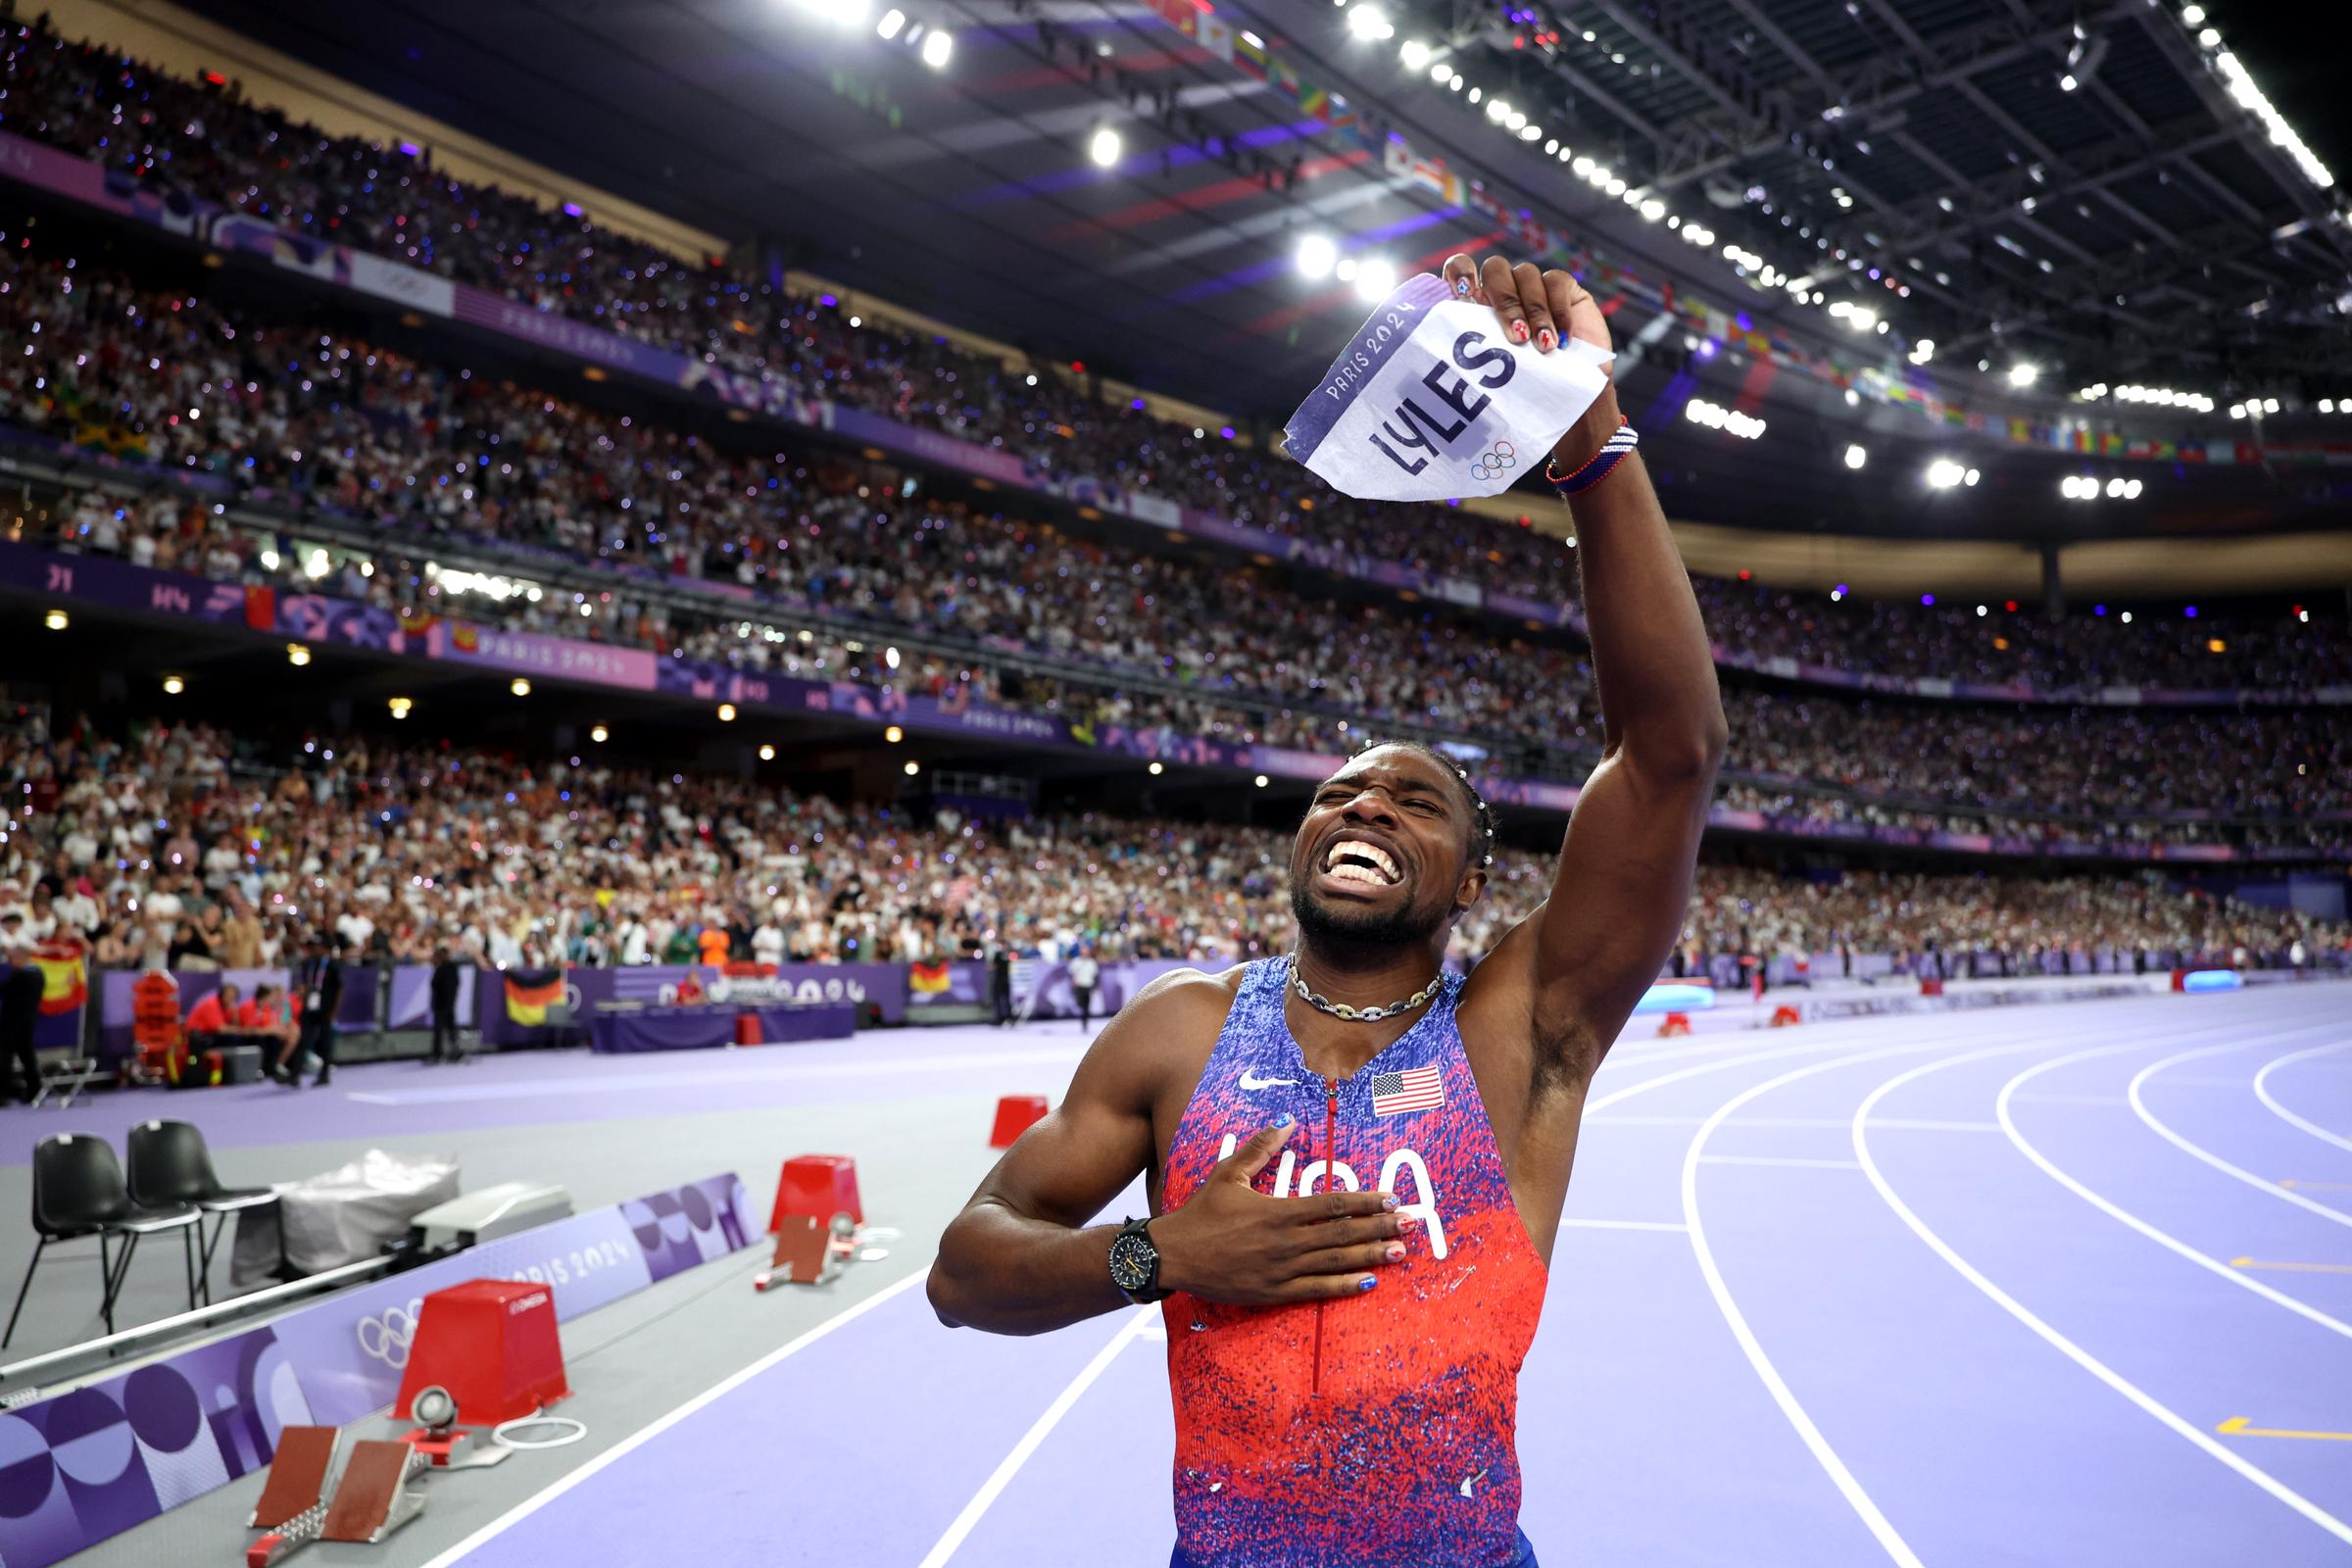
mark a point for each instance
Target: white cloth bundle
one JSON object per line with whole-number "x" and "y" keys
{"x": 1431, "y": 402}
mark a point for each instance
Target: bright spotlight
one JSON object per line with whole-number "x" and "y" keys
{"x": 1652, "y": 210}
{"x": 1855, "y": 456}
{"x": 1944, "y": 473}
{"x": 1414, "y": 54}
{"x": 2131, "y": 489}
{"x": 1373, "y": 280}
{"x": 2023, "y": 374}
{"x": 1103, "y": 148}
{"x": 2115, "y": 489}
{"x": 937, "y": 47}
{"x": 1344, "y": 271}
{"x": 892, "y": 20}
{"x": 1971, "y": 476}
{"x": 1318, "y": 256}
{"x": 1370, "y": 24}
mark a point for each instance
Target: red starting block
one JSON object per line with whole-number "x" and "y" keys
{"x": 1785, "y": 1016}
{"x": 1016, "y": 1115}
{"x": 493, "y": 1345}
{"x": 820, "y": 1186}
{"x": 1677, "y": 1024}
{"x": 1931, "y": 986}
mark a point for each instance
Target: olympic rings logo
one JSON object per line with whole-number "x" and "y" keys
{"x": 387, "y": 1336}
{"x": 1495, "y": 463}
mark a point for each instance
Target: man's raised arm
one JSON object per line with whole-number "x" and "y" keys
{"x": 1624, "y": 866}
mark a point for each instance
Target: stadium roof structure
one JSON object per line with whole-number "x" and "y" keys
{"x": 1130, "y": 185}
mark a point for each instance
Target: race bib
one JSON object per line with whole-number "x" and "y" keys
{"x": 1431, "y": 402}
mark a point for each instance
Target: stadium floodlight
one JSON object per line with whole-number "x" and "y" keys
{"x": 2270, "y": 405}
{"x": 1944, "y": 473}
{"x": 2023, "y": 373}
{"x": 1971, "y": 476}
{"x": 1414, "y": 54}
{"x": 1652, "y": 210}
{"x": 1103, "y": 147}
{"x": 1855, "y": 456}
{"x": 2115, "y": 489}
{"x": 1530, "y": 132}
{"x": 1374, "y": 279}
{"x": 1498, "y": 110}
{"x": 938, "y": 46}
{"x": 2192, "y": 16}
{"x": 2131, "y": 489}
{"x": 892, "y": 20}
{"x": 1345, "y": 270}
{"x": 1370, "y": 24}
{"x": 1318, "y": 256}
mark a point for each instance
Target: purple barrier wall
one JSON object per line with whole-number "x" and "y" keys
{"x": 177, "y": 1429}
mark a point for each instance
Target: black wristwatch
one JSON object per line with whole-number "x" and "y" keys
{"x": 1134, "y": 1264}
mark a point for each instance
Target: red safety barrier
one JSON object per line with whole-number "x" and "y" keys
{"x": 746, "y": 1029}
{"x": 493, "y": 1345}
{"x": 819, "y": 1186}
{"x": 1016, "y": 1115}
{"x": 2179, "y": 979}
{"x": 1677, "y": 1024}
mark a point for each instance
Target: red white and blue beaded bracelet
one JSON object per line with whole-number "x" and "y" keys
{"x": 1597, "y": 467}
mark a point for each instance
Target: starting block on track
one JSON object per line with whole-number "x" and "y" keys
{"x": 817, "y": 1185}
{"x": 808, "y": 1251}
{"x": 1785, "y": 1016}
{"x": 1677, "y": 1024}
{"x": 297, "y": 1479}
{"x": 372, "y": 1500}
{"x": 1016, "y": 1115}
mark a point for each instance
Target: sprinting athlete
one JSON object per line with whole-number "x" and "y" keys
{"x": 1357, "y": 1161}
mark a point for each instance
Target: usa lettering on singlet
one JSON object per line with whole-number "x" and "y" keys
{"x": 1377, "y": 1430}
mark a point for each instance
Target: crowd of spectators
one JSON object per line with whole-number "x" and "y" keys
{"x": 180, "y": 844}
{"x": 1138, "y": 640}
{"x": 203, "y": 139}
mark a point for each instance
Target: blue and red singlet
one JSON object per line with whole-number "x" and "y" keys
{"x": 1377, "y": 1431}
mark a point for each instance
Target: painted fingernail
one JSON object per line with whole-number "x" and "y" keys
{"x": 1519, "y": 330}
{"x": 1397, "y": 1253}
{"x": 1368, "y": 1282}
{"x": 1389, "y": 1202}
{"x": 1461, "y": 287}
{"x": 1283, "y": 1120}
{"x": 1408, "y": 1219}
{"x": 1547, "y": 341}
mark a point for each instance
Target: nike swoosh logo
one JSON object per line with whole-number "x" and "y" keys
{"x": 1250, "y": 1082}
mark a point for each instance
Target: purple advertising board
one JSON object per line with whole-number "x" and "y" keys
{"x": 95, "y": 1461}
{"x": 355, "y": 1010}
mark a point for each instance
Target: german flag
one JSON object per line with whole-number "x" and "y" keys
{"x": 528, "y": 999}
{"x": 65, "y": 982}
{"x": 927, "y": 979}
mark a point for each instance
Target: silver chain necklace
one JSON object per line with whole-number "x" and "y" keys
{"x": 1340, "y": 1010}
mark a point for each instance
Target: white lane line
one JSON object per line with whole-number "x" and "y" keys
{"x": 2057, "y": 1341}
{"x": 1139, "y": 1319}
{"x": 1567, "y": 1222}
{"x": 1858, "y": 1499}
{"x": 2188, "y": 1147}
{"x": 1786, "y": 1161}
{"x": 2117, "y": 1211}
{"x": 629, "y": 1445}
{"x": 2262, "y": 1092}
{"x": 2074, "y": 1099}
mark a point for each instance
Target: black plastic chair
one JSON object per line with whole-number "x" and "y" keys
{"x": 169, "y": 1165}
{"x": 77, "y": 1191}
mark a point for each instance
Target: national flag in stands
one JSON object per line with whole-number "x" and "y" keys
{"x": 527, "y": 1001}
{"x": 1414, "y": 1089}
{"x": 927, "y": 979}
{"x": 63, "y": 983}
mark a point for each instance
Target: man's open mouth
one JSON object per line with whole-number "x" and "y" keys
{"x": 1359, "y": 860}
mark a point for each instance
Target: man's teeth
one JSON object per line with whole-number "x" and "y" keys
{"x": 1355, "y": 860}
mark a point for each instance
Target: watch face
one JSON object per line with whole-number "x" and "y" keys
{"x": 1131, "y": 1263}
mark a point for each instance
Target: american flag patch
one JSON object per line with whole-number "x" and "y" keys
{"x": 1414, "y": 1089}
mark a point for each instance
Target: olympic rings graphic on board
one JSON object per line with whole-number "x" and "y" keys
{"x": 1495, "y": 463}
{"x": 387, "y": 1336}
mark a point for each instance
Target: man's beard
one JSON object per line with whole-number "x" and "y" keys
{"x": 1403, "y": 927}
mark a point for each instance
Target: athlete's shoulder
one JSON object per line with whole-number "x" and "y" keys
{"x": 1182, "y": 994}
